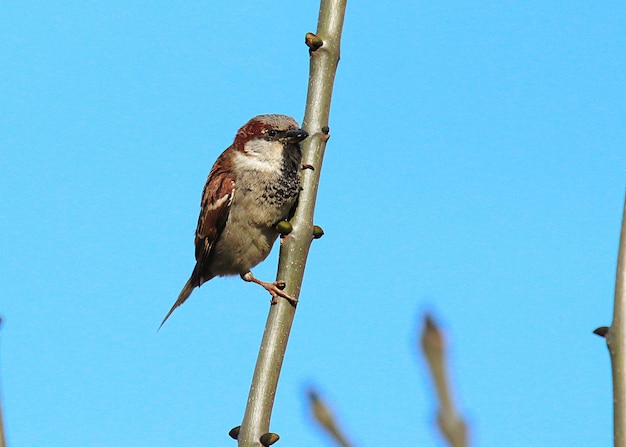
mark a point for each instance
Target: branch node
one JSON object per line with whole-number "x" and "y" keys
{"x": 317, "y": 232}
{"x": 602, "y": 331}
{"x": 268, "y": 439}
{"x": 234, "y": 432}
{"x": 313, "y": 41}
{"x": 283, "y": 227}
{"x": 433, "y": 343}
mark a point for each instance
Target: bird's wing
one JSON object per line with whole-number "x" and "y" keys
{"x": 217, "y": 197}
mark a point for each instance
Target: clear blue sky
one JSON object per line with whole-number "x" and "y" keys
{"x": 477, "y": 169}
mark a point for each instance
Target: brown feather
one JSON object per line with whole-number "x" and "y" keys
{"x": 217, "y": 197}
{"x": 182, "y": 297}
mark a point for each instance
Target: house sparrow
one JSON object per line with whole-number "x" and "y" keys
{"x": 252, "y": 186}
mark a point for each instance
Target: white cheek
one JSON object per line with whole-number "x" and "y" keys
{"x": 261, "y": 155}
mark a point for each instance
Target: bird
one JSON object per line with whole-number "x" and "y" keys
{"x": 253, "y": 185}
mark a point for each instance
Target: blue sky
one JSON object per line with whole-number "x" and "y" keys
{"x": 476, "y": 170}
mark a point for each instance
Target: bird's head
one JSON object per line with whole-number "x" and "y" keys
{"x": 268, "y": 138}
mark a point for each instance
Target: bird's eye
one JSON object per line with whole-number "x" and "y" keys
{"x": 271, "y": 133}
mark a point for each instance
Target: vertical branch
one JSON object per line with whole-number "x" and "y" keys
{"x": 451, "y": 424}
{"x": 616, "y": 342}
{"x": 324, "y": 52}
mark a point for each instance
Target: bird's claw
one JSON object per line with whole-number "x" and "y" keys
{"x": 274, "y": 288}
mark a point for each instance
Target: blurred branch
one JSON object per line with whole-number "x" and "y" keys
{"x": 615, "y": 340}
{"x": 324, "y": 57}
{"x": 451, "y": 424}
{"x": 324, "y": 417}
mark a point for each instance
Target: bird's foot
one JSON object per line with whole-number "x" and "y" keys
{"x": 274, "y": 288}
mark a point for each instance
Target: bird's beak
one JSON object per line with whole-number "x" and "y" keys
{"x": 296, "y": 135}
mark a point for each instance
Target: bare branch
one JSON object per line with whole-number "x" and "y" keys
{"x": 451, "y": 424}
{"x": 616, "y": 342}
{"x": 295, "y": 247}
{"x": 325, "y": 418}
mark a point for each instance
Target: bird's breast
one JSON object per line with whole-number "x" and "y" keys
{"x": 240, "y": 247}
{"x": 263, "y": 199}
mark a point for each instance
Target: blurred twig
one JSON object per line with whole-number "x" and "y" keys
{"x": 615, "y": 340}
{"x": 451, "y": 424}
{"x": 324, "y": 417}
{"x": 324, "y": 57}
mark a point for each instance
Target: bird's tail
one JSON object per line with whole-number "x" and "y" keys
{"x": 182, "y": 297}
